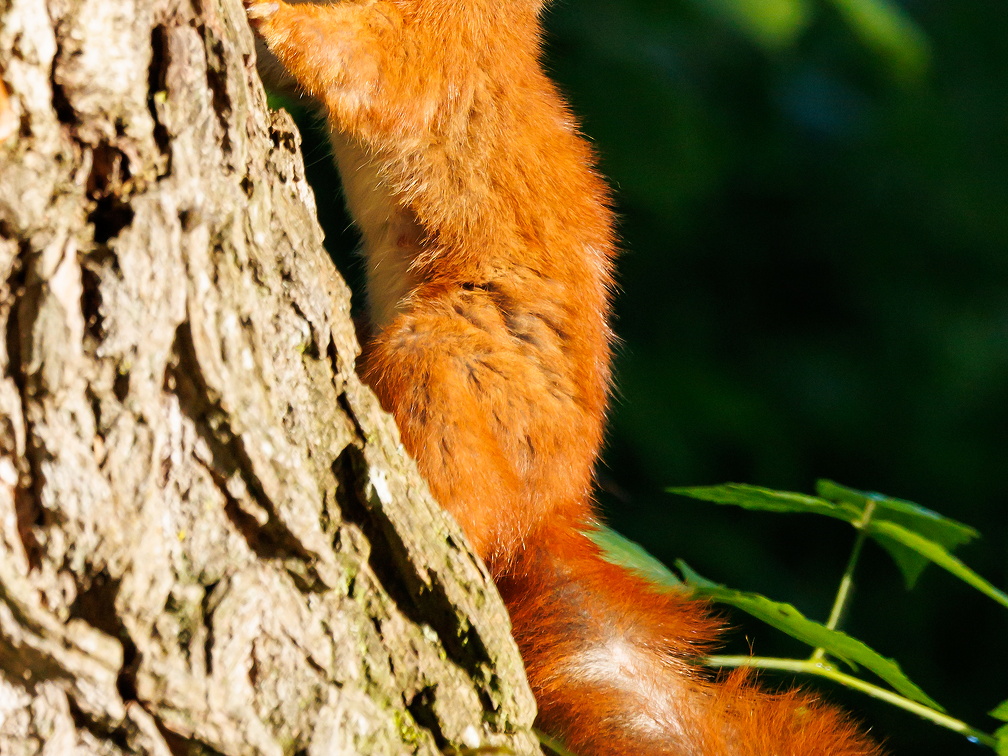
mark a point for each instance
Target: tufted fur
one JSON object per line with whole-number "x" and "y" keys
{"x": 489, "y": 246}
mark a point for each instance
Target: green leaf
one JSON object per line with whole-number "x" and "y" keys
{"x": 620, "y": 550}
{"x": 768, "y": 500}
{"x": 850, "y": 505}
{"x": 1000, "y": 711}
{"x": 945, "y": 531}
{"x": 1001, "y": 736}
{"x": 789, "y": 620}
{"x": 773, "y": 24}
{"x": 886, "y": 28}
{"x": 934, "y": 552}
{"x": 926, "y": 522}
{"x": 910, "y": 563}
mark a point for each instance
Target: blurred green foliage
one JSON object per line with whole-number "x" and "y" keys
{"x": 814, "y": 207}
{"x": 813, "y": 200}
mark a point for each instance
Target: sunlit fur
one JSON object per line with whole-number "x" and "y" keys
{"x": 489, "y": 245}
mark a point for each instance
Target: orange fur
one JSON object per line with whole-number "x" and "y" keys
{"x": 489, "y": 246}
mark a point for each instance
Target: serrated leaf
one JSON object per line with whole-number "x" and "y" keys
{"x": 1000, "y": 711}
{"x": 886, "y": 28}
{"x": 620, "y": 550}
{"x": 945, "y": 531}
{"x": 773, "y": 24}
{"x": 912, "y": 516}
{"x": 849, "y": 505}
{"x": 768, "y": 500}
{"x": 789, "y": 620}
{"x": 936, "y": 553}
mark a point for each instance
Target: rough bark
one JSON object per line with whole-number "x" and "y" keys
{"x": 211, "y": 540}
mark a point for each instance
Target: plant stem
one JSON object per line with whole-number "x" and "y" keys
{"x": 843, "y": 595}
{"x": 820, "y": 669}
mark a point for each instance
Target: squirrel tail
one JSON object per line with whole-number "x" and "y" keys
{"x": 611, "y": 661}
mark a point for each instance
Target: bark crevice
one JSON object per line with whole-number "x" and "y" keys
{"x": 210, "y": 538}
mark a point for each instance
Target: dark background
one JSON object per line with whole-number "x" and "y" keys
{"x": 814, "y": 211}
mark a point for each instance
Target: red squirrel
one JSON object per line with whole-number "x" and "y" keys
{"x": 489, "y": 246}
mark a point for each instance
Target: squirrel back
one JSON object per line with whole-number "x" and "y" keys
{"x": 489, "y": 245}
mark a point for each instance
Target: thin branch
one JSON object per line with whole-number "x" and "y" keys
{"x": 846, "y": 587}
{"x": 821, "y": 669}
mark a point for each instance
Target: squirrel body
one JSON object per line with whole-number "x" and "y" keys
{"x": 489, "y": 247}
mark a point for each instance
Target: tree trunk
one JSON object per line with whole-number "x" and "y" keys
{"x": 211, "y": 540}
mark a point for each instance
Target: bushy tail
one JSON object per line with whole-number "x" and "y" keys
{"x": 610, "y": 661}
